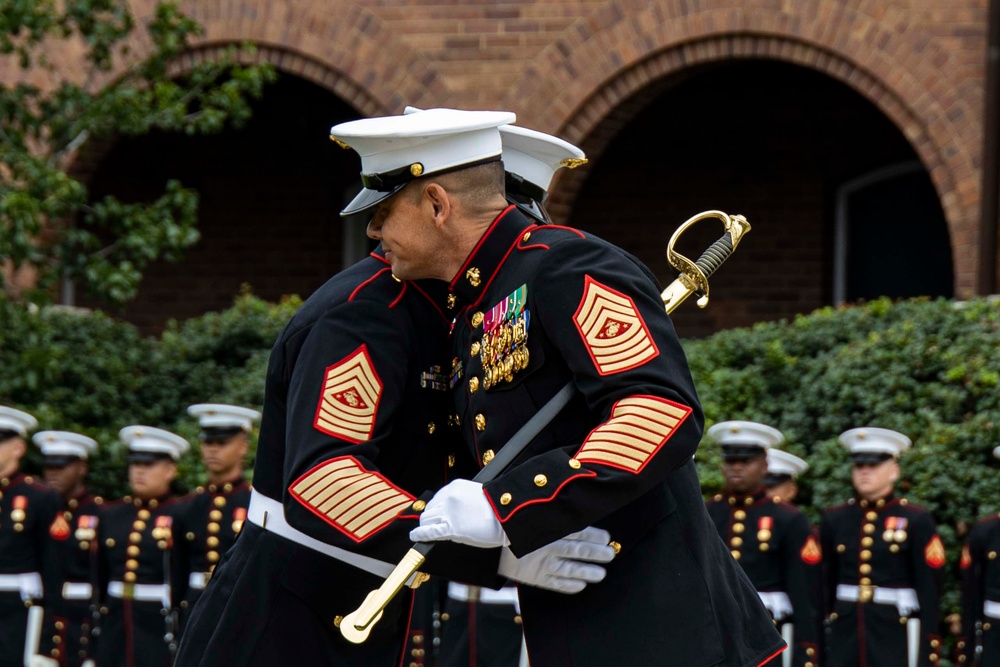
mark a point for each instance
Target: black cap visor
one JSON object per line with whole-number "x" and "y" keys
{"x": 735, "y": 453}
{"x": 218, "y": 433}
{"x": 774, "y": 479}
{"x": 869, "y": 458}
{"x": 367, "y": 199}
{"x": 58, "y": 460}
{"x": 148, "y": 457}
{"x": 6, "y": 434}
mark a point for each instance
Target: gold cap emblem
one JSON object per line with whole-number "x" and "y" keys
{"x": 339, "y": 142}
{"x": 416, "y": 168}
{"x": 574, "y": 162}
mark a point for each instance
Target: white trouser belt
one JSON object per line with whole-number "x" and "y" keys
{"x": 777, "y": 603}
{"x": 28, "y": 584}
{"x": 270, "y": 515}
{"x": 198, "y": 580}
{"x": 463, "y": 593}
{"x": 142, "y": 592}
{"x": 75, "y": 591}
{"x": 991, "y": 609}
{"x": 905, "y": 599}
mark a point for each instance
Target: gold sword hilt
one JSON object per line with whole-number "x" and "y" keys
{"x": 356, "y": 626}
{"x": 693, "y": 278}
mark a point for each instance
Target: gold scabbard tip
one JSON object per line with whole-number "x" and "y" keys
{"x": 616, "y": 546}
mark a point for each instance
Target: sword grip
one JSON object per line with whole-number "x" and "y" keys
{"x": 715, "y": 255}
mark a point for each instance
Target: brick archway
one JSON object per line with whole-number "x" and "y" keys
{"x": 589, "y": 79}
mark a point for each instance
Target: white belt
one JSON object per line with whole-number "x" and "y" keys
{"x": 270, "y": 515}
{"x": 198, "y": 580}
{"x": 73, "y": 591}
{"x": 28, "y": 584}
{"x": 777, "y": 603}
{"x": 991, "y": 608}
{"x": 142, "y": 592}
{"x": 905, "y": 599}
{"x": 463, "y": 593}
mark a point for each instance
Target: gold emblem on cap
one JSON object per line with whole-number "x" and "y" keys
{"x": 473, "y": 276}
{"x": 416, "y": 168}
{"x": 573, "y": 162}
{"x": 339, "y": 142}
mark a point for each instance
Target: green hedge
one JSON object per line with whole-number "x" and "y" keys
{"x": 927, "y": 368}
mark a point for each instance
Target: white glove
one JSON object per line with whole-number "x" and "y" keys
{"x": 460, "y": 512}
{"x": 43, "y": 661}
{"x": 565, "y": 566}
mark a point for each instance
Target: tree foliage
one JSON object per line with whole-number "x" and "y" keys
{"x": 128, "y": 83}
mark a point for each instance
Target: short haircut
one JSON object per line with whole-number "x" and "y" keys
{"x": 480, "y": 184}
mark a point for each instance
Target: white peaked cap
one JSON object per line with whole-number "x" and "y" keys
{"x": 996, "y": 452}
{"x": 65, "y": 443}
{"x": 871, "y": 440}
{"x": 747, "y": 434}
{"x": 780, "y": 462}
{"x": 154, "y": 440}
{"x": 219, "y": 415}
{"x": 532, "y": 155}
{"x": 17, "y": 421}
{"x": 395, "y": 150}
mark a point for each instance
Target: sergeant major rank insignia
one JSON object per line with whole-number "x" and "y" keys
{"x": 504, "y": 348}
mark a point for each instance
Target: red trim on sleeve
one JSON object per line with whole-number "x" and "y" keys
{"x": 774, "y": 655}
{"x": 482, "y": 239}
{"x": 585, "y": 473}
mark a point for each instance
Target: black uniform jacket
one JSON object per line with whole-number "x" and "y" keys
{"x": 28, "y": 511}
{"x": 355, "y": 426}
{"x": 69, "y": 613}
{"x": 140, "y": 544}
{"x": 538, "y": 307}
{"x": 776, "y": 547}
{"x": 214, "y": 516}
{"x": 891, "y": 544}
{"x": 981, "y": 592}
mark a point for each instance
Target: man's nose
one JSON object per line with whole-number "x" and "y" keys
{"x": 374, "y": 230}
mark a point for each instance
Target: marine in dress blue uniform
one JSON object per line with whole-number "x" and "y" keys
{"x": 68, "y": 636}
{"x": 216, "y": 511}
{"x": 142, "y": 567}
{"x": 980, "y": 565}
{"x": 783, "y": 470}
{"x": 28, "y": 510}
{"x": 357, "y": 424}
{"x": 882, "y": 561}
{"x": 772, "y": 540}
{"x": 537, "y": 306}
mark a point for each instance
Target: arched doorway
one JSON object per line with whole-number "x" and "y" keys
{"x": 771, "y": 140}
{"x": 270, "y": 196}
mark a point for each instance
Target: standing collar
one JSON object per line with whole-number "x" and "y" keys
{"x": 435, "y": 291}
{"x": 482, "y": 264}
{"x": 746, "y": 499}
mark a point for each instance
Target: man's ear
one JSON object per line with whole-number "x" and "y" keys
{"x": 440, "y": 203}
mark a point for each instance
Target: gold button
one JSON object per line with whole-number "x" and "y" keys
{"x": 810, "y": 652}
{"x": 162, "y": 544}
{"x": 215, "y": 515}
{"x": 84, "y": 545}
{"x": 213, "y": 528}
{"x": 935, "y": 643}
{"x": 132, "y": 564}
{"x": 808, "y": 664}
{"x": 871, "y": 516}
{"x": 865, "y": 581}
{"x": 135, "y": 538}
{"x": 431, "y": 427}
{"x": 488, "y": 456}
{"x": 60, "y": 625}
{"x": 474, "y": 350}
{"x": 56, "y": 653}
{"x": 933, "y": 657}
{"x": 189, "y": 536}
{"x": 139, "y": 525}
{"x": 212, "y": 556}
{"x": 867, "y": 541}
{"x": 144, "y": 514}
{"x": 869, "y": 528}
{"x": 527, "y": 235}
{"x": 541, "y": 480}
{"x": 865, "y": 568}
{"x": 419, "y": 505}
{"x": 472, "y": 275}
{"x": 212, "y": 542}
{"x": 473, "y": 384}
{"x": 866, "y": 555}
{"x": 574, "y": 464}
{"x": 736, "y": 554}
{"x": 841, "y": 548}
{"x": 418, "y": 639}
{"x": 738, "y": 528}
{"x": 505, "y": 499}
{"x": 763, "y": 546}
{"x": 736, "y": 542}
{"x": 986, "y": 626}
{"x": 615, "y": 545}
{"x": 110, "y": 542}
{"x": 992, "y": 555}
{"x": 219, "y": 501}
{"x": 739, "y": 515}
{"x": 132, "y": 550}
{"x": 480, "y": 422}
{"x": 477, "y": 319}
{"x": 894, "y": 548}
{"x": 130, "y": 577}
{"x": 833, "y": 616}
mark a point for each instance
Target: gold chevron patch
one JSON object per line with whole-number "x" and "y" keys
{"x": 353, "y": 500}
{"x": 612, "y": 329}
{"x": 349, "y": 400}
{"x": 934, "y": 553}
{"x": 638, "y": 427}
